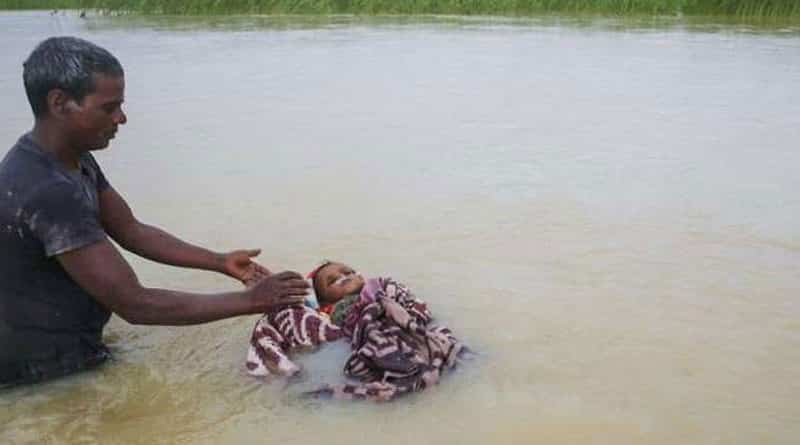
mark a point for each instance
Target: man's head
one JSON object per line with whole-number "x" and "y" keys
{"x": 78, "y": 84}
{"x": 334, "y": 281}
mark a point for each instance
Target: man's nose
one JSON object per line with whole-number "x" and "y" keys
{"x": 120, "y": 118}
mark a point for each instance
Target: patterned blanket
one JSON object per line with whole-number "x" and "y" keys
{"x": 288, "y": 329}
{"x": 395, "y": 348}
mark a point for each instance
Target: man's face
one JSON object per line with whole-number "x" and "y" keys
{"x": 94, "y": 121}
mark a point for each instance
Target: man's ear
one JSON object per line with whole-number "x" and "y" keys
{"x": 60, "y": 104}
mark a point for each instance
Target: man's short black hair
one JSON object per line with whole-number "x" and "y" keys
{"x": 66, "y": 63}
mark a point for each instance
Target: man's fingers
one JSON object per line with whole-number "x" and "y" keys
{"x": 296, "y": 291}
{"x": 288, "y": 275}
{"x": 294, "y": 282}
{"x": 253, "y": 252}
{"x": 290, "y": 299}
{"x": 287, "y": 301}
{"x": 260, "y": 269}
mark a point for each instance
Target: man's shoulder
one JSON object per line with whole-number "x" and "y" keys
{"x": 23, "y": 172}
{"x": 22, "y": 160}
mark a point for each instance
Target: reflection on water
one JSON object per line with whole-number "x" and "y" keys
{"x": 603, "y": 209}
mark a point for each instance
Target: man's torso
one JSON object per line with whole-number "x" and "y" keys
{"x": 48, "y": 324}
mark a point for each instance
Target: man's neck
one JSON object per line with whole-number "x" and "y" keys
{"x": 50, "y": 139}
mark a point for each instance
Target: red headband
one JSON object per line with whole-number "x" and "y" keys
{"x": 313, "y": 273}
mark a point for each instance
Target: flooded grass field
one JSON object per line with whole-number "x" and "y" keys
{"x": 748, "y": 9}
{"x": 606, "y": 210}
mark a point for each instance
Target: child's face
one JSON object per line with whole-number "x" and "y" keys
{"x": 336, "y": 281}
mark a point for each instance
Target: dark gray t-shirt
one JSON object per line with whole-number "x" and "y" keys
{"x": 48, "y": 325}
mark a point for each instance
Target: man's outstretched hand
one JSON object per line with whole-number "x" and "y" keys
{"x": 280, "y": 289}
{"x": 268, "y": 290}
{"x": 255, "y": 273}
{"x": 238, "y": 264}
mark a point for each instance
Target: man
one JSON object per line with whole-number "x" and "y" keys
{"x": 60, "y": 276}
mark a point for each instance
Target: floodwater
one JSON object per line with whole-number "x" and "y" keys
{"x": 607, "y": 211}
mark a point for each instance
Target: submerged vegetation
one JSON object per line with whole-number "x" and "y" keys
{"x": 738, "y": 8}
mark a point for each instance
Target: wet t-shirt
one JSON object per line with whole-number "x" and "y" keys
{"x": 49, "y": 326}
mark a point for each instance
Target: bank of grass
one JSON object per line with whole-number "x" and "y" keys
{"x": 785, "y": 9}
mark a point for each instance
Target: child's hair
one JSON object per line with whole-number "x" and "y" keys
{"x": 315, "y": 283}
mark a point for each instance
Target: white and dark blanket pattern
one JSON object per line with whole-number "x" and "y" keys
{"x": 394, "y": 352}
{"x": 288, "y": 329}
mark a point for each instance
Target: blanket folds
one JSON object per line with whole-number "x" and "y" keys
{"x": 396, "y": 349}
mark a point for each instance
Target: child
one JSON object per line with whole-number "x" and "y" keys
{"x": 395, "y": 348}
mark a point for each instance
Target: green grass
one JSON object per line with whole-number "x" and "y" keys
{"x": 737, "y": 8}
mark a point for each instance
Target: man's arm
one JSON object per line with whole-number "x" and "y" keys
{"x": 101, "y": 271}
{"x": 158, "y": 245}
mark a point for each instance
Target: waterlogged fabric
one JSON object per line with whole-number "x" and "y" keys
{"x": 49, "y": 326}
{"x": 392, "y": 355}
{"x": 288, "y": 329}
